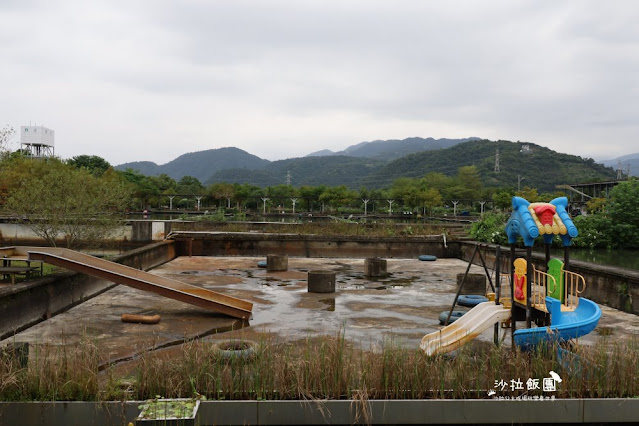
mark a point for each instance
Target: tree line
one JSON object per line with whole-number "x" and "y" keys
{"x": 83, "y": 197}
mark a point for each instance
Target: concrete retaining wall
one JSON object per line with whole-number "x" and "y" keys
{"x": 256, "y": 244}
{"x": 607, "y": 285}
{"x": 415, "y": 412}
{"x": 12, "y": 233}
{"x": 25, "y": 304}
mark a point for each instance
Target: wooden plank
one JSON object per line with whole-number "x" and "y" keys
{"x": 141, "y": 280}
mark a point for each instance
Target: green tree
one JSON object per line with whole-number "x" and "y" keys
{"x": 164, "y": 183}
{"x": 61, "y": 201}
{"x": 222, "y": 191}
{"x": 430, "y": 198}
{"x": 437, "y": 180}
{"x": 407, "y": 190}
{"x": 144, "y": 190}
{"x": 94, "y": 164}
{"x": 311, "y": 195}
{"x": 467, "y": 185}
{"x": 624, "y": 203}
{"x": 189, "y": 185}
{"x": 530, "y": 194}
{"x": 281, "y": 195}
{"x": 6, "y": 133}
{"x": 337, "y": 196}
{"x": 502, "y": 199}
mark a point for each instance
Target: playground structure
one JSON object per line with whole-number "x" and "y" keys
{"x": 549, "y": 299}
{"x": 131, "y": 277}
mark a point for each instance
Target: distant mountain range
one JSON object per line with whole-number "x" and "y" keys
{"x": 202, "y": 164}
{"x": 626, "y": 162}
{"x": 393, "y": 149}
{"x": 377, "y": 164}
{"x": 205, "y": 165}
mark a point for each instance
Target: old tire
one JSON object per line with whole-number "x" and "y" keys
{"x": 427, "y": 257}
{"x": 471, "y": 300}
{"x": 236, "y": 349}
{"x": 453, "y": 317}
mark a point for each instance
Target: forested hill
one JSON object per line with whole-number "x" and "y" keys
{"x": 201, "y": 164}
{"x": 332, "y": 171}
{"x": 387, "y": 150}
{"x": 538, "y": 167}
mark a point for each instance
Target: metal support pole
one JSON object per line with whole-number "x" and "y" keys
{"x": 461, "y": 285}
{"x": 513, "y": 322}
{"x": 483, "y": 262}
{"x": 497, "y": 288}
{"x": 529, "y": 275}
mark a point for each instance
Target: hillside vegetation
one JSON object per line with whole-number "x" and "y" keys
{"x": 312, "y": 171}
{"x": 539, "y": 167}
{"x": 388, "y": 150}
{"x": 201, "y": 164}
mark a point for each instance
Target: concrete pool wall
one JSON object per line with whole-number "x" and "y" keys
{"x": 28, "y": 303}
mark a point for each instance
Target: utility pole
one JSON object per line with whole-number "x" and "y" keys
{"x": 365, "y": 200}
{"x": 198, "y": 198}
{"x": 619, "y": 170}
{"x": 265, "y": 199}
{"x": 497, "y": 161}
{"x": 519, "y": 179}
{"x": 288, "y": 178}
{"x": 481, "y": 203}
{"x": 171, "y": 197}
{"x": 390, "y": 206}
{"x": 294, "y": 200}
{"x": 455, "y": 208}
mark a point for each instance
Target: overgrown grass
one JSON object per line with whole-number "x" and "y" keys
{"x": 320, "y": 368}
{"x": 46, "y": 269}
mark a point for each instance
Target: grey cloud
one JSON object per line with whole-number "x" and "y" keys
{"x": 523, "y": 70}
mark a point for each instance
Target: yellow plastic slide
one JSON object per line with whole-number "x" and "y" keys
{"x": 466, "y": 328}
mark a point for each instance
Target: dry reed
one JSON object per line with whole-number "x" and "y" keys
{"x": 321, "y": 368}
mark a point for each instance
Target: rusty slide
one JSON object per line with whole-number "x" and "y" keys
{"x": 466, "y": 328}
{"x": 135, "y": 278}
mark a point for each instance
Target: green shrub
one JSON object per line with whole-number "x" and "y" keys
{"x": 491, "y": 228}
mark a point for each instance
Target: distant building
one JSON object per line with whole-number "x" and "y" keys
{"x": 37, "y": 141}
{"x": 525, "y": 149}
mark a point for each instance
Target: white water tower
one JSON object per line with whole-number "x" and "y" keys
{"x": 37, "y": 141}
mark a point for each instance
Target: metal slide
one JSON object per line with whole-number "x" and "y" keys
{"x": 469, "y": 326}
{"x": 135, "y": 278}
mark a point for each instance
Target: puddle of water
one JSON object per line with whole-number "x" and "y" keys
{"x": 330, "y": 304}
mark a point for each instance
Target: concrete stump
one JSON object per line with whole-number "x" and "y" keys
{"x": 474, "y": 283}
{"x": 321, "y": 281}
{"x": 375, "y": 267}
{"x": 276, "y": 262}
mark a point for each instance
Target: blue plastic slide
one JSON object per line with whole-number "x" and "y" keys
{"x": 563, "y": 325}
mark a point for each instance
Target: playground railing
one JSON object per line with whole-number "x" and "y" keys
{"x": 574, "y": 285}
{"x": 542, "y": 285}
{"x": 504, "y": 283}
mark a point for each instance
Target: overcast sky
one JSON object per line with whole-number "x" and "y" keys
{"x": 154, "y": 79}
